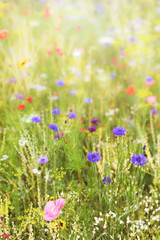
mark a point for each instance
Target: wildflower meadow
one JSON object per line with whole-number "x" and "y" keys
{"x": 80, "y": 119}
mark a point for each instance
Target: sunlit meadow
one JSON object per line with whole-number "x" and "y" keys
{"x": 79, "y": 119}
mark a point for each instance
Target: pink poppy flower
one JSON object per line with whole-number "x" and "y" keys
{"x": 78, "y": 27}
{"x": 53, "y": 211}
{"x": 58, "y": 49}
{"x": 151, "y": 99}
{"x": 50, "y": 52}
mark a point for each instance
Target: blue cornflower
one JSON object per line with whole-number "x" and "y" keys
{"x": 72, "y": 115}
{"x": 144, "y": 147}
{"x": 88, "y": 100}
{"x": 112, "y": 75}
{"x": 73, "y": 92}
{"x": 106, "y": 180}
{"x": 54, "y": 127}
{"x": 36, "y": 119}
{"x": 119, "y": 131}
{"x": 56, "y": 111}
{"x": 60, "y": 83}
{"x": 43, "y": 160}
{"x": 138, "y": 159}
{"x": 93, "y": 157}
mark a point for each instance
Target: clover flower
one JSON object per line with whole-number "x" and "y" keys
{"x": 93, "y": 157}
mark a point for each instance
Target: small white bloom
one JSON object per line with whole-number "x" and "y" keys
{"x": 36, "y": 171}
{"x": 22, "y": 143}
{"x": 4, "y": 158}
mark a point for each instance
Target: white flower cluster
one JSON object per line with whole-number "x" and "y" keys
{"x": 22, "y": 142}
{"x": 4, "y": 158}
{"x": 111, "y": 112}
{"x": 36, "y": 171}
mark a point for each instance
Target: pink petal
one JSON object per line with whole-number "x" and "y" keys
{"x": 53, "y": 211}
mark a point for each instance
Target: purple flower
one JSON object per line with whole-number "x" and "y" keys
{"x": 88, "y": 100}
{"x": 144, "y": 147}
{"x": 94, "y": 121}
{"x": 92, "y": 129}
{"x": 112, "y": 75}
{"x": 58, "y": 136}
{"x": 43, "y": 160}
{"x": 119, "y": 131}
{"x": 9, "y": 51}
{"x": 20, "y": 96}
{"x": 138, "y": 159}
{"x": 107, "y": 44}
{"x": 12, "y": 80}
{"x": 73, "y": 92}
{"x": 154, "y": 111}
{"x": 149, "y": 79}
{"x": 93, "y": 157}
{"x": 132, "y": 39}
{"x": 106, "y": 180}
{"x": 72, "y": 115}
{"x": 54, "y": 127}
{"x": 35, "y": 119}
{"x": 60, "y": 83}
{"x": 56, "y": 111}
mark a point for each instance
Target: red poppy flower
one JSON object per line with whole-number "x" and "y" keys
{"x": 47, "y": 13}
{"x": 29, "y": 99}
{"x": 81, "y": 129}
{"x": 114, "y": 60}
{"x": 3, "y": 34}
{"x": 80, "y": 120}
{"x": 25, "y": 12}
{"x": 130, "y": 90}
{"x": 159, "y": 126}
{"x": 21, "y": 107}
